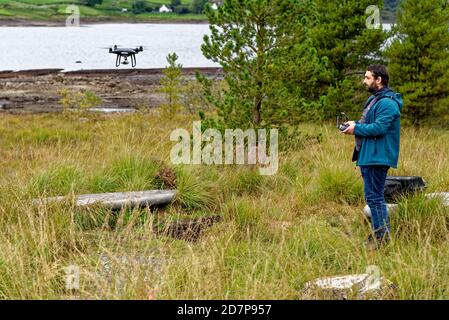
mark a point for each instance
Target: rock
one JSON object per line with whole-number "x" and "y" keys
{"x": 167, "y": 176}
{"x": 188, "y": 230}
{"x": 443, "y": 195}
{"x": 368, "y": 285}
{"x": 119, "y": 200}
{"x": 4, "y": 104}
{"x": 112, "y": 110}
{"x": 391, "y": 208}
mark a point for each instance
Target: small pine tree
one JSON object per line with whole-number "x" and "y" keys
{"x": 419, "y": 59}
{"x": 171, "y": 84}
{"x": 271, "y": 68}
{"x": 78, "y": 101}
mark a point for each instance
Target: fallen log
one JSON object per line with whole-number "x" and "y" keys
{"x": 119, "y": 200}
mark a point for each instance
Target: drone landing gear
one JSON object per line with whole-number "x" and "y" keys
{"x": 133, "y": 60}
{"x": 125, "y": 62}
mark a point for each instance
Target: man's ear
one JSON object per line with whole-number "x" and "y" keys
{"x": 379, "y": 79}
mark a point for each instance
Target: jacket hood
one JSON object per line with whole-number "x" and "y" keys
{"x": 387, "y": 92}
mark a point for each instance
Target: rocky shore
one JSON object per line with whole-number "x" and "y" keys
{"x": 38, "y": 91}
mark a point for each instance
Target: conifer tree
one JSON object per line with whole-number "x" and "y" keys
{"x": 346, "y": 34}
{"x": 171, "y": 84}
{"x": 271, "y": 68}
{"x": 419, "y": 59}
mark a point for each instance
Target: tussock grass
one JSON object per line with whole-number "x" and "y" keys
{"x": 277, "y": 232}
{"x": 422, "y": 219}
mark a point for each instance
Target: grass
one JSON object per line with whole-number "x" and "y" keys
{"x": 276, "y": 233}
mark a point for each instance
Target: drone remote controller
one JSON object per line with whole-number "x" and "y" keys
{"x": 342, "y": 126}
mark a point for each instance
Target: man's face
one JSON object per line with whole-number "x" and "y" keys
{"x": 371, "y": 83}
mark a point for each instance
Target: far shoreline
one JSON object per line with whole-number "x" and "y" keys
{"x": 16, "y": 22}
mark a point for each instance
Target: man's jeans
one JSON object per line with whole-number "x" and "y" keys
{"x": 374, "y": 184}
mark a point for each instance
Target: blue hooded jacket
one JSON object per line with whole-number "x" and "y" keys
{"x": 381, "y": 131}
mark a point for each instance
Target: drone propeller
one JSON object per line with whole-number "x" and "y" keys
{"x": 114, "y": 45}
{"x": 137, "y": 49}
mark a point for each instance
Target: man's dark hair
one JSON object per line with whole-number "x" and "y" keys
{"x": 379, "y": 70}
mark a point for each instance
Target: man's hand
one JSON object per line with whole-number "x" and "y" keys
{"x": 350, "y": 129}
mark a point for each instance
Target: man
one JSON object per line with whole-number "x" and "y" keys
{"x": 377, "y": 136}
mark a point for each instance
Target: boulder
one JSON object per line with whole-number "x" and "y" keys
{"x": 368, "y": 285}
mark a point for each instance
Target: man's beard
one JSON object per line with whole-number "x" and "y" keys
{"x": 372, "y": 88}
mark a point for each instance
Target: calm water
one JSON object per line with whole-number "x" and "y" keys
{"x": 60, "y": 47}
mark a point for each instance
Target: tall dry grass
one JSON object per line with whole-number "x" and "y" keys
{"x": 276, "y": 232}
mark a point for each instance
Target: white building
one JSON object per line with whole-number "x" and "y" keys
{"x": 164, "y": 9}
{"x": 217, "y": 2}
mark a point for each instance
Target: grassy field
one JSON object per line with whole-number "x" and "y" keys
{"x": 53, "y": 10}
{"x": 276, "y": 233}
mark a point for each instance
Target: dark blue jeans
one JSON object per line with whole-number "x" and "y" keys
{"x": 374, "y": 184}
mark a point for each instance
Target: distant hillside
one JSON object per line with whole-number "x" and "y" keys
{"x": 50, "y": 10}
{"x": 123, "y": 9}
{"x": 389, "y": 10}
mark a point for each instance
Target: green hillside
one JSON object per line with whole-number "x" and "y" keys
{"x": 136, "y": 10}
{"x": 52, "y": 10}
